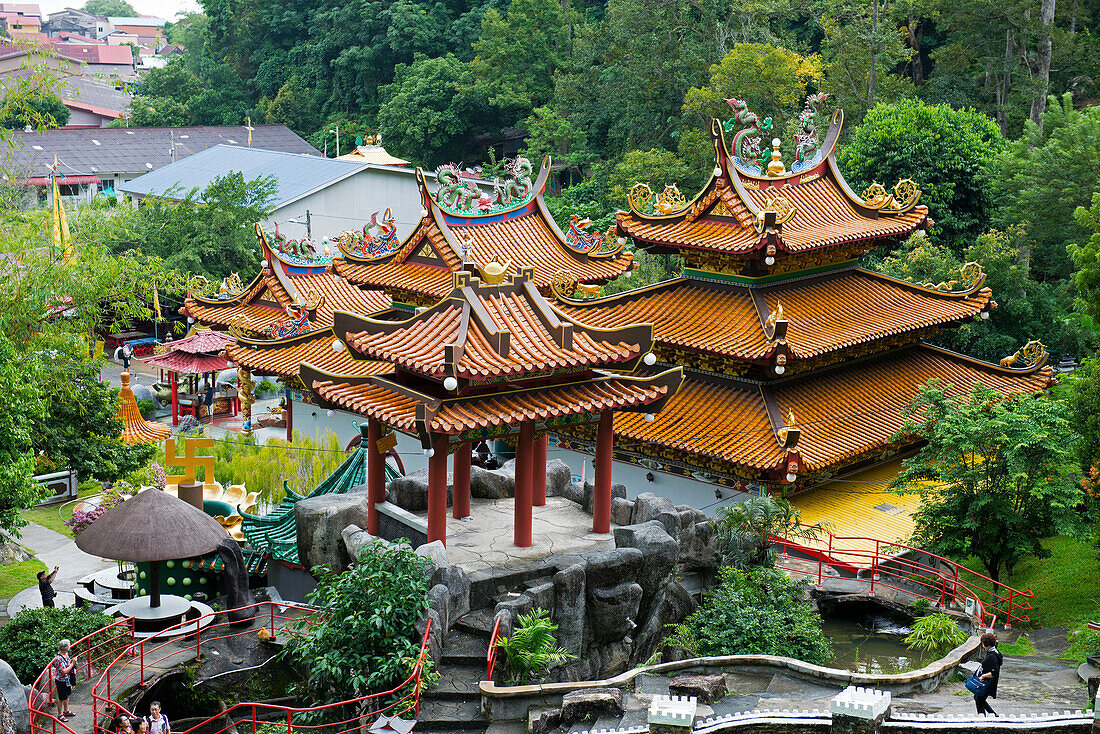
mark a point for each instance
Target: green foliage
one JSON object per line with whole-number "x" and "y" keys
{"x": 745, "y": 530}
{"x": 993, "y": 477}
{"x": 940, "y": 148}
{"x": 532, "y": 649}
{"x": 293, "y": 106}
{"x": 920, "y": 606}
{"x": 14, "y": 577}
{"x": 1081, "y": 391}
{"x": 116, "y": 8}
{"x": 367, "y": 641}
{"x": 208, "y": 233}
{"x": 35, "y": 108}
{"x": 759, "y": 612}
{"x": 147, "y": 408}
{"x": 1042, "y": 179}
{"x": 29, "y": 641}
{"x": 351, "y": 129}
{"x": 21, "y": 390}
{"x": 551, "y": 134}
{"x": 1083, "y": 643}
{"x": 1022, "y": 646}
{"x": 936, "y": 634}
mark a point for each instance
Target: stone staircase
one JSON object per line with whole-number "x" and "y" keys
{"x": 453, "y": 704}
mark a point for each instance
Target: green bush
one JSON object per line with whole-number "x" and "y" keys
{"x": 29, "y": 641}
{"x": 147, "y": 409}
{"x": 368, "y": 641}
{"x": 532, "y": 649}
{"x": 757, "y": 612}
{"x": 936, "y": 633}
{"x": 1082, "y": 644}
{"x": 920, "y": 606}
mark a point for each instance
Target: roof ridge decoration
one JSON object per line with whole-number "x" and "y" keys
{"x": 670, "y": 201}
{"x": 578, "y": 237}
{"x": 301, "y": 252}
{"x": 901, "y": 199}
{"x": 229, "y": 288}
{"x": 746, "y": 151}
{"x": 1030, "y": 356}
{"x": 465, "y": 198}
{"x": 781, "y": 207}
{"x": 377, "y": 240}
{"x": 971, "y": 275}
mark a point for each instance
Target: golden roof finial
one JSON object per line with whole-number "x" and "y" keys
{"x": 775, "y": 166}
{"x": 493, "y": 272}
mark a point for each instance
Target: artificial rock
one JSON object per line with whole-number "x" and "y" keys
{"x": 13, "y": 692}
{"x": 611, "y": 611}
{"x": 569, "y": 603}
{"x": 622, "y": 510}
{"x": 559, "y": 477}
{"x": 659, "y": 550}
{"x": 588, "y": 502}
{"x": 320, "y": 525}
{"x": 439, "y": 599}
{"x": 671, "y": 604}
{"x": 705, "y": 688}
{"x": 458, "y": 591}
{"x": 649, "y": 506}
{"x": 542, "y": 596}
{"x": 611, "y": 567}
{"x": 492, "y": 484}
{"x": 239, "y": 599}
{"x": 410, "y": 492}
{"x": 590, "y": 703}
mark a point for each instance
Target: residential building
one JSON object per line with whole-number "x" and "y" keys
{"x": 72, "y": 20}
{"x": 315, "y": 196}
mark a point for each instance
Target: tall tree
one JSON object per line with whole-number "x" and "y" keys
{"x": 118, "y": 8}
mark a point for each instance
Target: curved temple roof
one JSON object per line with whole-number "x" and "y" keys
{"x": 441, "y": 242}
{"x": 736, "y": 213}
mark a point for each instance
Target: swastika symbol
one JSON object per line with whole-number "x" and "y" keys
{"x": 189, "y": 461}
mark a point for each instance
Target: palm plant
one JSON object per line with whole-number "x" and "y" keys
{"x": 532, "y": 649}
{"x": 745, "y": 531}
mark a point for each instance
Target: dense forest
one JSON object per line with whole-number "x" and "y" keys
{"x": 986, "y": 105}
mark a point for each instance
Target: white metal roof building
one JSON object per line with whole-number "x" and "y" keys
{"x": 337, "y": 194}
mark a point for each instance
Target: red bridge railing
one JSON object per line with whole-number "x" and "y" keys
{"x": 913, "y": 571}
{"x": 122, "y": 658}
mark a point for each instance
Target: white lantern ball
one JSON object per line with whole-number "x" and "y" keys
{"x": 780, "y": 369}
{"x": 650, "y": 359}
{"x": 337, "y": 345}
{"x": 450, "y": 384}
{"x": 649, "y": 417}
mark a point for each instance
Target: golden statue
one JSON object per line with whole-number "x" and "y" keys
{"x": 493, "y": 272}
{"x": 775, "y": 165}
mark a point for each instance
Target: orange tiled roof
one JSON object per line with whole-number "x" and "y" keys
{"x": 136, "y": 429}
{"x": 723, "y": 217}
{"x": 481, "y": 330}
{"x": 525, "y": 236}
{"x": 398, "y": 407}
{"x": 283, "y": 356}
{"x": 842, "y": 413}
{"x": 825, "y": 313}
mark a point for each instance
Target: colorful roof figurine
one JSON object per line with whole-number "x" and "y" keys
{"x": 275, "y": 533}
{"x": 747, "y": 221}
{"x": 491, "y": 354}
{"x": 462, "y": 223}
{"x": 294, "y": 276}
{"x": 135, "y": 428}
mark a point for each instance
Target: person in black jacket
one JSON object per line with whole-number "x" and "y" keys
{"x": 990, "y": 672}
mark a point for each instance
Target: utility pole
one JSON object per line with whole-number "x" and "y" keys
{"x": 309, "y": 225}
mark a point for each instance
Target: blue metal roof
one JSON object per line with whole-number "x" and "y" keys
{"x": 295, "y": 174}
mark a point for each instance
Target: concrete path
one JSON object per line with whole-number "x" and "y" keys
{"x": 55, "y": 549}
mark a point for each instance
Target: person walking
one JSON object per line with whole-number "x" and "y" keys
{"x": 158, "y": 722}
{"x": 45, "y": 587}
{"x": 64, "y": 671}
{"x": 989, "y": 673}
{"x": 127, "y": 352}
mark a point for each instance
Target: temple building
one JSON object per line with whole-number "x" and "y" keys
{"x": 492, "y": 359}
{"x": 798, "y": 361}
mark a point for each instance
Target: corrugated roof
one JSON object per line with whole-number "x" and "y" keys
{"x": 134, "y": 149}
{"x": 295, "y": 175}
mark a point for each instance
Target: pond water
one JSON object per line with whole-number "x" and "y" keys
{"x": 871, "y": 643}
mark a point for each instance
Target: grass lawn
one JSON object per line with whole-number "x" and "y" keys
{"x": 47, "y": 516}
{"x": 1064, "y": 584}
{"x": 14, "y": 577}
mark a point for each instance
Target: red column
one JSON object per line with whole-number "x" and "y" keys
{"x": 175, "y": 401}
{"x": 539, "y": 472}
{"x": 460, "y": 506}
{"x": 437, "y": 491}
{"x": 601, "y": 510}
{"x": 376, "y": 475}
{"x": 524, "y": 475}
{"x": 289, "y": 418}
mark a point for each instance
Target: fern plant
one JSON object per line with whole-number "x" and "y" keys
{"x": 532, "y": 649}
{"x": 936, "y": 633}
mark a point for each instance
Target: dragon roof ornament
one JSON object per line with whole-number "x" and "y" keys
{"x": 378, "y": 238}
{"x": 295, "y": 252}
{"x": 465, "y": 198}
{"x": 746, "y": 147}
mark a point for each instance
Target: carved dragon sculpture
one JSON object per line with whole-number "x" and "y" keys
{"x": 518, "y": 187}
{"x": 302, "y": 249}
{"x": 453, "y": 192}
{"x": 806, "y": 142}
{"x": 746, "y": 143}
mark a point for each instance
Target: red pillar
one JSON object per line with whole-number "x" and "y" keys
{"x": 539, "y": 472}
{"x": 601, "y": 510}
{"x": 460, "y": 506}
{"x": 289, "y": 418}
{"x": 376, "y": 475}
{"x": 524, "y": 476}
{"x": 437, "y": 491}
{"x": 175, "y": 401}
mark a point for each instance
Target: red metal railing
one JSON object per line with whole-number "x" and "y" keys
{"x": 491, "y": 656}
{"x": 898, "y": 566}
{"x": 129, "y": 659}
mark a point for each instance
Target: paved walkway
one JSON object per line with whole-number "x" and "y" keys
{"x": 55, "y": 549}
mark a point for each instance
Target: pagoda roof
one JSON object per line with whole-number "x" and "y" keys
{"x": 195, "y": 354}
{"x": 422, "y": 414}
{"x": 284, "y": 280}
{"x": 135, "y": 428}
{"x": 481, "y": 331}
{"x": 523, "y": 233}
{"x": 820, "y": 314}
{"x": 282, "y": 357}
{"x": 841, "y": 414}
{"x": 743, "y": 214}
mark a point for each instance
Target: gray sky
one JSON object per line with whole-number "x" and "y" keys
{"x": 160, "y": 8}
